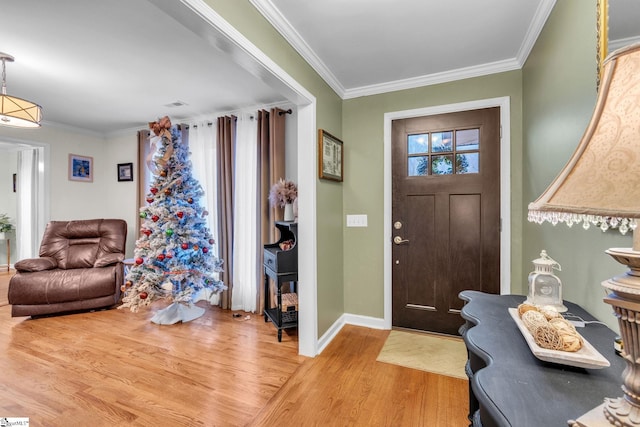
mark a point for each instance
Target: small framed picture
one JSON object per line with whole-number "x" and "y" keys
{"x": 125, "y": 171}
{"x": 330, "y": 156}
{"x": 80, "y": 168}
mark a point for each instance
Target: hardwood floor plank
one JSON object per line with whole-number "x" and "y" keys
{"x": 113, "y": 367}
{"x": 4, "y": 285}
{"x": 346, "y": 386}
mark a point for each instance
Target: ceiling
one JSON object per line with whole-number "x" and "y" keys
{"x": 110, "y": 65}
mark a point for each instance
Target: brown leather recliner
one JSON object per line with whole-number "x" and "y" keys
{"x": 79, "y": 268}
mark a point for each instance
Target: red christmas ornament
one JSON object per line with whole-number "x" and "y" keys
{"x": 143, "y": 295}
{"x": 180, "y": 214}
{"x": 155, "y": 218}
{"x": 153, "y": 190}
{"x": 149, "y": 200}
{"x": 169, "y": 256}
{"x": 147, "y": 232}
{"x": 205, "y": 250}
{"x": 139, "y": 261}
{"x": 190, "y": 200}
{"x": 184, "y": 246}
{"x": 161, "y": 257}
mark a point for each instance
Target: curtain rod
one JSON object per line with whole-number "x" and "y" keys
{"x": 285, "y": 112}
{"x": 195, "y": 126}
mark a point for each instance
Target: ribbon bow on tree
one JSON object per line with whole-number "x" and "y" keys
{"x": 161, "y": 128}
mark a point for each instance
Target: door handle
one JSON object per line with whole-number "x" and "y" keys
{"x": 399, "y": 240}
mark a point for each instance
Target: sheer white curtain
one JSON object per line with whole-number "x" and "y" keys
{"x": 202, "y": 144}
{"x": 29, "y": 191}
{"x": 245, "y": 262}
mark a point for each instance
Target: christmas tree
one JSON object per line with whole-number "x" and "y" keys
{"x": 173, "y": 257}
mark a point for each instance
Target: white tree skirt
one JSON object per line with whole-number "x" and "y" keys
{"x": 177, "y": 312}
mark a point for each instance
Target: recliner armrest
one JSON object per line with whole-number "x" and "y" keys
{"x": 109, "y": 259}
{"x": 36, "y": 264}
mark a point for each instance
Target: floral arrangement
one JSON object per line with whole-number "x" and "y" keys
{"x": 282, "y": 193}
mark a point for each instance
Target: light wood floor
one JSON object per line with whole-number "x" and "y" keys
{"x": 114, "y": 367}
{"x": 4, "y": 286}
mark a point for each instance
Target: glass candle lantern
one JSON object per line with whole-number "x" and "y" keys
{"x": 545, "y": 288}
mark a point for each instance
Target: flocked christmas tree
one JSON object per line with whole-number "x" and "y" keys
{"x": 173, "y": 258}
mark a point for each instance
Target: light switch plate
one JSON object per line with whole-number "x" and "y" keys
{"x": 356, "y": 220}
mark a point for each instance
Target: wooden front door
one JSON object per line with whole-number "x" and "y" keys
{"x": 446, "y": 215}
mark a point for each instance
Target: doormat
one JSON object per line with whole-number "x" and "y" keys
{"x": 431, "y": 353}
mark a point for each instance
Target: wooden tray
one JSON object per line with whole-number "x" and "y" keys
{"x": 587, "y": 357}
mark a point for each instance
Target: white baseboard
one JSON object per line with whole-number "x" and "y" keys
{"x": 348, "y": 319}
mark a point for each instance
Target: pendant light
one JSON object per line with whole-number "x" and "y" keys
{"x": 16, "y": 112}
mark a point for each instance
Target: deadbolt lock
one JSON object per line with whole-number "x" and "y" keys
{"x": 397, "y": 225}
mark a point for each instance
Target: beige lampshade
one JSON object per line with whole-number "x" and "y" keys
{"x": 600, "y": 185}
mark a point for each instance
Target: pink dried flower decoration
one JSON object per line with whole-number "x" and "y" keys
{"x": 282, "y": 193}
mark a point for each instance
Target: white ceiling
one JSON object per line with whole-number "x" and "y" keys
{"x": 371, "y": 46}
{"x": 109, "y": 65}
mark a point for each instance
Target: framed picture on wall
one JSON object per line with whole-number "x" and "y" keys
{"x": 80, "y": 168}
{"x": 330, "y": 156}
{"x": 125, "y": 171}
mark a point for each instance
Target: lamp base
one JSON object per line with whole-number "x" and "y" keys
{"x": 625, "y": 299}
{"x": 593, "y": 418}
{"x": 625, "y": 415}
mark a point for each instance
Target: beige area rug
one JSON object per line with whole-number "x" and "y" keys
{"x": 432, "y": 353}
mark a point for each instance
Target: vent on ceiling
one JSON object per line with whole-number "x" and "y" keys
{"x": 175, "y": 104}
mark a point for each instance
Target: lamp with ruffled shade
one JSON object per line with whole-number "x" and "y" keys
{"x": 600, "y": 186}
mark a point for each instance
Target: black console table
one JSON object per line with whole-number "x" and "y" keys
{"x": 509, "y": 386}
{"x": 282, "y": 266}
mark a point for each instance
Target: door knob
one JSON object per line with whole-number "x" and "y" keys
{"x": 398, "y": 240}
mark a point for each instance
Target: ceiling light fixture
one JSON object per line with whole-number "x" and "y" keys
{"x": 16, "y": 112}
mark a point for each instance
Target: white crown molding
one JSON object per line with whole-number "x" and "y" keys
{"x": 534, "y": 30}
{"x": 275, "y": 18}
{"x": 435, "y": 78}
{"x": 286, "y": 30}
{"x": 73, "y": 129}
{"x": 617, "y": 44}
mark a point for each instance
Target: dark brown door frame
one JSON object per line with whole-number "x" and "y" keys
{"x": 505, "y": 187}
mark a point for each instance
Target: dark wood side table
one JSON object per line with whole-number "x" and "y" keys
{"x": 509, "y": 386}
{"x": 281, "y": 265}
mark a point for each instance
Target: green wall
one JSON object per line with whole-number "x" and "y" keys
{"x": 363, "y": 127}
{"x": 248, "y": 21}
{"x": 559, "y": 93}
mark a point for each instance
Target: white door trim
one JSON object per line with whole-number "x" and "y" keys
{"x": 505, "y": 185}
{"x": 225, "y": 37}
